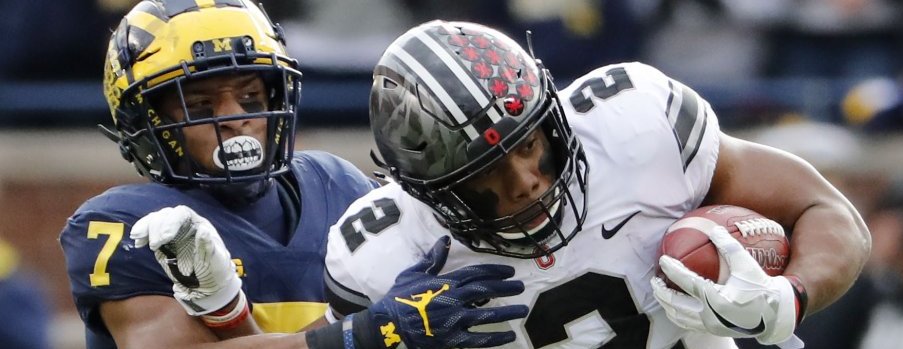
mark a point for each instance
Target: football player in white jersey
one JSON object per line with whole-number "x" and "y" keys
{"x": 575, "y": 189}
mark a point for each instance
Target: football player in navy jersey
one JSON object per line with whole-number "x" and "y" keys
{"x": 204, "y": 102}
{"x": 574, "y": 189}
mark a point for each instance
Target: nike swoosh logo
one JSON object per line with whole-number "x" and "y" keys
{"x": 749, "y": 331}
{"x": 190, "y": 281}
{"x": 607, "y": 234}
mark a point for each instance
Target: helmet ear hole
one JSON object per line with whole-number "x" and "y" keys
{"x": 278, "y": 95}
{"x": 389, "y": 84}
{"x": 557, "y": 144}
{"x": 418, "y": 148}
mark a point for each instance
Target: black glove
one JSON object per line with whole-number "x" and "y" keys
{"x": 427, "y": 310}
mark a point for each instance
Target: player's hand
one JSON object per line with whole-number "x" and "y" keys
{"x": 193, "y": 255}
{"x": 749, "y": 304}
{"x": 435, "y": 311}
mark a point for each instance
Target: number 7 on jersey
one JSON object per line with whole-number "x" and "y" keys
{"x": 115, "y": 231}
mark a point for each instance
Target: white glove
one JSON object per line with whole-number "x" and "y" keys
{"x": 193, "y": 255}
{"x": 749, "y": 304}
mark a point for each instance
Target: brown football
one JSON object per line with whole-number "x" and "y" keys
{"x": 763, "y": 238}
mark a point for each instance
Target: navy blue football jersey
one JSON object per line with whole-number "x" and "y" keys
{"x": 283, "y": 281}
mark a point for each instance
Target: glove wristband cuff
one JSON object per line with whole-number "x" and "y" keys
{"x": 370, "y": 328}
{"x": 802, "y": 298}
{"x": 355, "y": 331}
{"x": 229, "y": 319}
{"x": 216, "y": 301}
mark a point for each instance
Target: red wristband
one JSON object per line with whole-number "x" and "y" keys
{"x": 230, "y": 319}
{"x": 802, "y": 298}
{"x": 231, "y": 323}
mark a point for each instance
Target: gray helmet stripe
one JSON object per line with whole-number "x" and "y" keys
{"x": 430, "y": 81}
{"x": 175, "y": 7}
{"x": 479, "y": 93}
{"x": 236, "y": 3}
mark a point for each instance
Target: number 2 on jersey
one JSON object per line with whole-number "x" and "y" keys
{"x": 100, "y": 276}
{"x": 353, "y": 233}
{"x": 579, "y": 309}
{"x": 614, "y": 81}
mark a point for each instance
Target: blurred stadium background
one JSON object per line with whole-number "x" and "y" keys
{"x": 819, "y": 78}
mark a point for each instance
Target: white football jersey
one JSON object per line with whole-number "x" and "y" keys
{"x": 651, "y": 144}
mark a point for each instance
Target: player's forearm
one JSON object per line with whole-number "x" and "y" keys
{"x": 328, "y": 337}
{"x": 322, "y": 334}
{"x": 830, "y": 245}
{"x": 328, "y": 340}
{"x": 246, "y": 328}
{"x": 269, "y": 341}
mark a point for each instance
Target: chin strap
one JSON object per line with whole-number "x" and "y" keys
{"x": 114, "y": 136}
{"x": 110, "y": 134}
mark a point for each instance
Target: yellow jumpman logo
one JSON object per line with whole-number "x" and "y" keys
{"x": 420, "y": 301}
